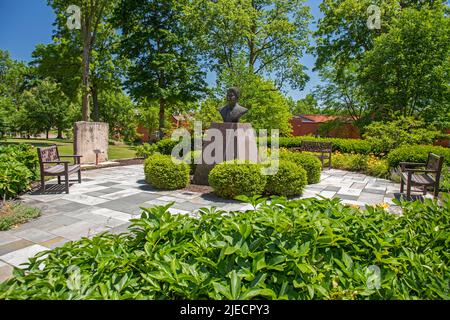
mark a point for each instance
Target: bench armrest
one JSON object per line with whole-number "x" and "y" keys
{"x": 74, "y": 156}
{"x": 406, "y": 165}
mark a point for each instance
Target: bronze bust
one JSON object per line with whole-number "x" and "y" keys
{"x": 232, "y": 112}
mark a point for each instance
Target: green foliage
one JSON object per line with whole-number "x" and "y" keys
{"x": 269, "y": 109}
{"x": 15, "y": 177}
{"x": 146, "y": 150}
{"x": 235, "y": 178}
{"x": 23, "y": 153}
{"x": 341, "y": 145}
{"x": 386, "y": 136}
{"x": 418, "y": 154}
{"x": 297, "y": 250}
{"x": 162, "y": 172}
{"x": 12, "y": 214}
{"x": 445, "y": 179}
{"x": 290, "y": 180}
{"x": 45, "y": 107}
{"x": 310, "y": 163}
{"x": 408, "y": 68}
{"x": 265, "y": 37}
{"x": 307, "y": 105}
{"x": 164, "y": 65}
{"x": 368, "y": 164}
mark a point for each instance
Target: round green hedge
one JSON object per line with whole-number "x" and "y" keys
{"x": 233, "y": 178}
{"x": 417, "y": 153}
{"x": 163, "y": 173}
{"x": 290, "y": 180}
{"x": 310, "y": 163}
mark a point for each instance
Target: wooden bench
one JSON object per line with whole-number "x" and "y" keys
{"x": 324, "y": 150}
{"x": 51, "y": 165}
{"x": 422, "y": 174}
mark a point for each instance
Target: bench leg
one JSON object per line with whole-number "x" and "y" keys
{"x": 79, "y": 176}
{"x": 42, "y": 183}
{"x": 59, "y": 179}
{"x": 67, "y": 181}
{"x": 402, "y": 186}
{"x": 408, "y": 189}
{"x": 436, "y": 191}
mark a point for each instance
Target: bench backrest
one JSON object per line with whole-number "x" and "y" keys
{"x": 316, "y": 146}
{"x": 48, "y": 154}
{"x": 435, "y": 163}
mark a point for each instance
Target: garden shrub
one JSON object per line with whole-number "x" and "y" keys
{"x": 310, "y": 163}
{"x": 415, "y": 154}
{"x": 298, "y": 250}
{"x": 290, "y": 180}
{"x": 15, "y": 177}
{"x": 378, "y": 167}
{"x": 234, "y": 178}
{"x": 386, "y": 136}
{"x": 23, "y": 153}
{"x": 351, "y": 162}
{"x": 146, "y": 150}
{"x": 341, "y": 145}
{"x": 162, "y": 172}
{"x": 445, "y": 179}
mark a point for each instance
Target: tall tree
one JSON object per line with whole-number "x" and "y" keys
{"x": 408, "y": 70}
{"x": 164, "y": 63}
{"x": 93, "y": 23}
{"x": 268, "y": 36}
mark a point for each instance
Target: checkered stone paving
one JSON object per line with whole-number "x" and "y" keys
{"x": 108, "y": 198}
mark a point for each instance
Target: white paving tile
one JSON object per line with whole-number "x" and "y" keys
{"x": 84, "y": 199}
{"x": 171, "y": 199}
{"x": 16, "y": 258}
{"x": 120, "y": 194}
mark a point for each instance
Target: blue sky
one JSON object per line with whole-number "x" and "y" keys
{"x": 26, "y": 23}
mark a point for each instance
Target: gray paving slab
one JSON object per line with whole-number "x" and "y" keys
{"x": 13, "y": 246}
{"x": 34, "y": 235}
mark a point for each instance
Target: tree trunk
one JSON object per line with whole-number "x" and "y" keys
{"x": 60, "y": 136}
{"x": 46, "y": 134}
{"x": 86, "y": 32}
{"x": 95, "y": 103}
{"x": 162, "y": 114}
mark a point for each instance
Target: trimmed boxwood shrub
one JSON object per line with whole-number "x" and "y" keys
{"x": 290, "y": 180}
{"x": 417, "y": 153}
{"x": 342, "y": 145}
{"x": 162, "y": 173}
{"x": 310, "y": 163}
{"x": 235, "y": 178}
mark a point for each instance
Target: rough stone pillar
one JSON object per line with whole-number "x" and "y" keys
{"x": 238, "y": 143}
{"x": 90, "y": 139}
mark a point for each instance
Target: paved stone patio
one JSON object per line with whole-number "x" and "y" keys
{"x": 108, "y": 198}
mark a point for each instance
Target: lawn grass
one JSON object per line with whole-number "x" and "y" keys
{"x": 12, "y": 214}
{"x": 66, "y": 147}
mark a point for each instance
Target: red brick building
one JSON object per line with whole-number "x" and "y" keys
{"x": 305, "y": 125}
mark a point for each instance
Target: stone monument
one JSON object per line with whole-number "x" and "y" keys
{"x": 227, "y": 141}
{"x": 91, "y": 140}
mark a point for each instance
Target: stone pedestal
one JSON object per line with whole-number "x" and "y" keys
{"x": 90, "y": 139}
{"x": 226, "y": 142}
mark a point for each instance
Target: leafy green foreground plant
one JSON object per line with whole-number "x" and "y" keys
{"x": 303, "y": 249}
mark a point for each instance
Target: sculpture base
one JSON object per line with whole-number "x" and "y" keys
{"x": 226, "y": 142}
{"x": 91, "y": 140}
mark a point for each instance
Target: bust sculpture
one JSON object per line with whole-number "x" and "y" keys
{"x": 232, "y": 112}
